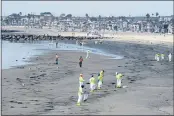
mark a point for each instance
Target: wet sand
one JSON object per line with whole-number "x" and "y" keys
{"x": 51, "y": 90}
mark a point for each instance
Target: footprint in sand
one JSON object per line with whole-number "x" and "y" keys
{"x": 50, "y": 106}
{"x": 13, "y": 101}
{"x": 20, "y": 103}
{"x": 132, "y": 80}
{"x": 34, "y": 100}
{"x": 24, "y": 107}
{"x": 48, "y": 109}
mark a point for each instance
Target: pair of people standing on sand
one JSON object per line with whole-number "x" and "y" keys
{"x": 80, "y": 60}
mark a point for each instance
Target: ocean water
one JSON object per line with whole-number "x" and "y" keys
{"x": 15, "y": 54}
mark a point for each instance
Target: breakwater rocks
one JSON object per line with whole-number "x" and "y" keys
{"x": 18, "y": 37}
{"x": 9, "y": 31}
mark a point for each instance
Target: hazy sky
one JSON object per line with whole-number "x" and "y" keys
{"x": 93, "y": 8}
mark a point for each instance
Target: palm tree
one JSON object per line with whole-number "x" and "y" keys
{"x": 69, "y": 16}
{"x": 99, "y": 18}
{"x": 29, "y": 17}
{"x": 147, "y": 16}
{"x": 157, "y": 14}
{"x": 62, "y": 15}
{"x": 87, "y": 16}
{"x": 20, "y": 13}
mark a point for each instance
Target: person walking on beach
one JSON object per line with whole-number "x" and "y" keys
{"x": 102, "y": 74}
{"x": 80, "y": 61}
{"x": 82, "y": 45}
{"x": 162, "y": 56}
{"x": 77, "y": 42}
{"x": 56, "y": 44}
{"x": 170, "y": 57}
{"x": 92, "y": 83}
{"x": 100, "y": 80}
{"x": 81, "y": 80}
{"x": 119, "y": 79}
{"x": 57, "y": 57}
{"x": 85, "y": 96}
{"x": 87, "y": 54}
{"x": 80, "y": 95}
{"x": 157, "y": 57}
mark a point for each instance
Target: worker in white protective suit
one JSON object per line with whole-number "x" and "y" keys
{"x": 82, "y": 45}
{"x": 77, "y": 42}
{"x": 119, "y": 79}
{"x": 85, "y": 96}
{"x": 81, "y": 80}
{"x": 100, "y": 81}
{"x": 92, "y": 83}
{"x": 170, "y": 57}
{"x": 80, "y": 95}
{"x": 162, "y": 56}
{"x": 87, "y": 54}
{"x": 157, "y": 57}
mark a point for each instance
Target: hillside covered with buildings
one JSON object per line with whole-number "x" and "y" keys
{"x": 153, "y": 23}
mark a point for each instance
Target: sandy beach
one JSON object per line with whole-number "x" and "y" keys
{"x": 51, "y": 89}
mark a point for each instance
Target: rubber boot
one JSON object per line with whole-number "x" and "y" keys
{"x": 78, "y": 104}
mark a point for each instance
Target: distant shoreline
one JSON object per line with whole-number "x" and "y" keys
{"x": 115, "y": 36}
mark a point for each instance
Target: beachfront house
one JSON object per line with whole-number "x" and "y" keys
{"x": 70, "y": 23}
{"x": 134, "y": 27}
{"x": 34, "y": 20}
{"x": 4, "y": 20}
{"x": 170, "y": 28}
{"x": 125, "y": 25}
{"x": 24, "y": 20}
{"x": 46, "y": 18}
{"x": 149, "y": 27}
{"x": 13, "y": 19}
{"x": 165, "y": 18}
